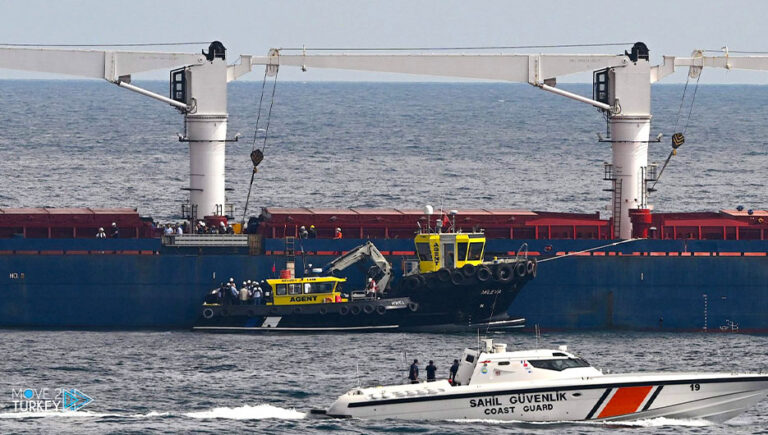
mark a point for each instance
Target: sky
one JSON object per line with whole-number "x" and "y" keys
{"x": 252, "y": 27}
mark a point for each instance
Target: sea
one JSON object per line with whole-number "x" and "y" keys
{"x": 386, "y": 145}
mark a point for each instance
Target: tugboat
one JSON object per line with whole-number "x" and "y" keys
{"x": 554, "y": 385}
{"x": 449, "y": 286}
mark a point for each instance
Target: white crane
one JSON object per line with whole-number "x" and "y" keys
{"x": 198, "y": 90}
{"x": 622, "y": 89}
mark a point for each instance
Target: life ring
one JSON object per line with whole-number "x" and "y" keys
{"x": 208, "y": 313}
{"x": 483, "y": 274}
{"x": 323, "y": 310}
{"x": 457, "y": 278}
{"x": 504, "y": 273}
{"x": 381, "y": 309}
{"x": 520, "y": 269}
{"x": 355, "y": 310}
{"x": 368, "y": 309}
{"x": 344, "y": 310}
{"x": 444, "y": 275}
{"x": 413, "y": 306}
{"x": 469, "y": 270}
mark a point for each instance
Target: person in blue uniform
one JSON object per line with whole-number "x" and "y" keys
{"x": 431, "y": 369}
{"x": 413, "y": 373}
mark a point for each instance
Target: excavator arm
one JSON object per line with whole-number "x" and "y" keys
{"x": 358, "y": 254}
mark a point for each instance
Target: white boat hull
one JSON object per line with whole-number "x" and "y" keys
{"x": 714, "y": 397}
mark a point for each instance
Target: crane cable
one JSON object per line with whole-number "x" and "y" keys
{"x": 678, "y": 139}
{"x": 257, "y": 155}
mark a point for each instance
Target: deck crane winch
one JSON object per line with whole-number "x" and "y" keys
{"x": 622, "y": 89}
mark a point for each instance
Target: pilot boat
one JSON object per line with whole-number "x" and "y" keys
{"x": 554, "y": 385}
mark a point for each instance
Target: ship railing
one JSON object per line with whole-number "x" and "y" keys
{"x": 184, "y": 240}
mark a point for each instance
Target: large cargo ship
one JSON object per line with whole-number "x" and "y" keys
{"x": 633, "y": 270}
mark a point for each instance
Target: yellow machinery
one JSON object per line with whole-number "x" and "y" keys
{"x": 302, "y": 291}
{"x": 449, "y": 250}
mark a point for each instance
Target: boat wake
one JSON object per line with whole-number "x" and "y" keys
{"x": 245, "y": 412}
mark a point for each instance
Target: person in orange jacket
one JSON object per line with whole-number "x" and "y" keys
{"x": 337, "y": 234}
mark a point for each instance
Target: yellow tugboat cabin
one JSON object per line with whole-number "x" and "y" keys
{"x": 449, "y": 250}
{"x": 310, "y": 290}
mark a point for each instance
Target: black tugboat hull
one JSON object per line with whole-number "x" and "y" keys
{"x": 427, "y": 302}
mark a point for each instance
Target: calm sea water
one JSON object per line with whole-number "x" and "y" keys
{"x": 90, "y": 144}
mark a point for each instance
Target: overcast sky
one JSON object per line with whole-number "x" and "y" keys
{"x": 252, "y": 27}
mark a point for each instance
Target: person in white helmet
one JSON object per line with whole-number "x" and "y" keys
{"x": 337, "y": 234}
{"x": 371, "y": 289}
{"x": 115, "y": 231}
{"x": 101, "y": 234}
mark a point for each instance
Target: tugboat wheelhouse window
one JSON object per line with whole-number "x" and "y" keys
{"x": 475, "y": 251}
{"x": 424, "y": 253}
{"x": 280, "y": 290}
{"x": 461, "y": 251}
{"x": 558, "y": 364}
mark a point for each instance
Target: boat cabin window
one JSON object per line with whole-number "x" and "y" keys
{"x": 475, "y": 251}
{"x": 294, "y": 289}
{"x": 558, "y": 364}
{"x": 280, "y": 290}
{"x": 321, "y": 287}
{"x": 503, "y": 363}
{"x": 470, "y": 358}
{"x": 422, "y": 249}
{"x": 461, "y": 251}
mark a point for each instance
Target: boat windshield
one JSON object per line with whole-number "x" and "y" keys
{"x": 424, "y": 253}
{"x": 558, "y": 364}
{"x": 475, "y": 251}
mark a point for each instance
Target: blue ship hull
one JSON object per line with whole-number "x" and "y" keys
{"x": 51, "y": 283}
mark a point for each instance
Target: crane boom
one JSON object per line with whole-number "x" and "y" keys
{"x": 360, "y": 253}
{"x": 97, "y": 64}
{"x": 523, "y": 68}
{"x": 698, "y": 60}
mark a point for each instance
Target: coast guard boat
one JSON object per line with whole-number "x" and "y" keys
{"x": 554, "y": 385}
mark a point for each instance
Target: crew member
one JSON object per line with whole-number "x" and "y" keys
{"x": 115, "y": 231}
{"x": 312, "y": 232}
{"x": 233, "y": 293}
{"x": 244, "y": 294}
{"x": 371, "y": 289}
{"x": 453, "y": 371}
{"x": 337, "y": 234}
{"x": 257, "y": 296}
{"x": 431, "y": 369}
{"x": 303, "y": 233}
{"x": 413, "y": 373}
{"x": 101, "y": 234}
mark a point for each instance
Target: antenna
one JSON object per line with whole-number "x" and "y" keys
{"x": 357, "y": 370}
